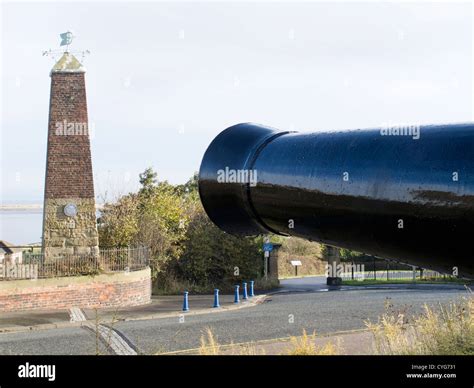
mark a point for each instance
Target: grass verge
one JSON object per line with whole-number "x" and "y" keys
{"x": 444, "y": 330}
{"x": 406, "y": 281}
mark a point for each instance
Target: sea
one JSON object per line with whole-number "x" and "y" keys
{"x": 21, "y": 226}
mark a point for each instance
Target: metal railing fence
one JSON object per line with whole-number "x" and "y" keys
{"x": 35, "y": 265}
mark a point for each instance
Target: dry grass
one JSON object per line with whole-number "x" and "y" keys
{"x": 97, "y": 323}
{"x": 445, "y": 330}
{"x": 209, "y": 344}
{"x": 250, "y": 349}
{"x": 210, "y": 347}
{"x": 306, "y": 346}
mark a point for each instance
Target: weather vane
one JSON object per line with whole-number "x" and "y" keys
{"x": 66, "y": 40}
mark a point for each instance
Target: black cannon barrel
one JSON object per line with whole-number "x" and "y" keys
{"x": 404, "y": 193}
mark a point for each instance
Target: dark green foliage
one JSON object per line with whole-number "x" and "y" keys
{"x": 187, "y": 250}
{"x": 215, "y": 258}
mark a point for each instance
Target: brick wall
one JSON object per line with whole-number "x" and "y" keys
{"x": 69, "y": 165}
{"x": 108, "y": 290}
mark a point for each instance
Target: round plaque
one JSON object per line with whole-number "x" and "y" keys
{"x": 70, "y": 210}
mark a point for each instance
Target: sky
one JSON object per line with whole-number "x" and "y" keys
{"x": 163, "y": 79}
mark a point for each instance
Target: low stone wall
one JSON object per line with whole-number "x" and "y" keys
{"x": 105, "y": 290}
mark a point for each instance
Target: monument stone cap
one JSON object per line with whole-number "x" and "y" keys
{"x": 68, "y": 63}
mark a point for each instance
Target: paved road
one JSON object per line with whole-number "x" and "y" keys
{"x": 316, "y": 283}
{"x": 300, "y": 304}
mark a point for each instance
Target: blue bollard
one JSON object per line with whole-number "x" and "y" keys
{"x": 251, "y": 294}
{"x": 216, "y": 298}
{"x": 236, "y": 294}
{"x": 244, "y": 291}
{"x": 186, "y": 301}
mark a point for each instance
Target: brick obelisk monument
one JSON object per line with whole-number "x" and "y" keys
{"x": 69, "y": 220}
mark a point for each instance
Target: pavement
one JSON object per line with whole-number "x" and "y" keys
{"x": 160, "y": 307}
{"x": 263, "y": 325}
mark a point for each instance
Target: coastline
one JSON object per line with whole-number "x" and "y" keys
{"x": 21, "y": 207}
{"x": 32, "y": 207}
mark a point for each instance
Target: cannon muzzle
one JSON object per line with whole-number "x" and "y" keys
{"x": 404, "y": 193}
